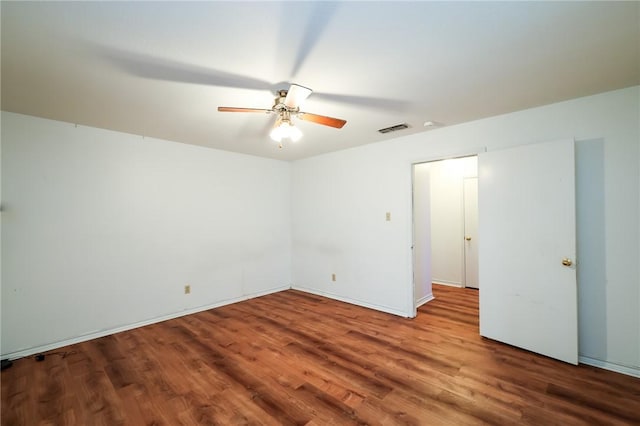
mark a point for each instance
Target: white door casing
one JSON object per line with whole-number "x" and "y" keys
{"x": 421, "y": 235}
{"x": 470, "y": 193}
{"x": 528, "y": 298}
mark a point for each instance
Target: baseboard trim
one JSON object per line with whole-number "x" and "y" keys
{"x": 356, "y": 302}
{"x": 428, "y": 298}
{"x": 449, "y": 283}
{"x": 90, "y": 336}
{"x": 622, "y": 369}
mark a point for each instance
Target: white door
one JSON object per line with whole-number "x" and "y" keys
{"x": 527, "y": 248}
{"x": 470, "y": 191}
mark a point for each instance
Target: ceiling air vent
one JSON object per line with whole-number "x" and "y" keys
{"x": 394, "y": 128}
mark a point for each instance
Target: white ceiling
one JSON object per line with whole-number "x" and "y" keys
{"x": 161, "y": 69}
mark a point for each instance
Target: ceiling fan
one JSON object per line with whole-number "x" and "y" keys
{"x": 287, "y": 105}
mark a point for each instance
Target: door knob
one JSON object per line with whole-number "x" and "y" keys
{"x": 467, "y": 238}
{"x": 567, "y": 262}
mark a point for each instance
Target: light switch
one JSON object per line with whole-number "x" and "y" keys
{"x": 388, "y": 216}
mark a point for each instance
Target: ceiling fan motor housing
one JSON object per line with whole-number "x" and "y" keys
{"x": 279, "y": 103}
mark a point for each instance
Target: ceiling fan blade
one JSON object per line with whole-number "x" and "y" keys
{"x": 319, "y": 17}
{"x": 159, "y": 68}
{"x": 321, "y": 119}
{"x": 384, "y": 104}
{"x": 234, "y": 109}
{"x": 296, "y": 95}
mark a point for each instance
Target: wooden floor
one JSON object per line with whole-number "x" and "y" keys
{"x": 295, "y": 358}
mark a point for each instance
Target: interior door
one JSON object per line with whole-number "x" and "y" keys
{"x": 527, "y": 248}
{"x": 470, "y": 193}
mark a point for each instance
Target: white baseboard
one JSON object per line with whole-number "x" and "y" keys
{"x": 622, "y": 369}
{"x": 373, "y": 306}
{"x": 449, "y": 283}
{"x": 102, "y": 333}
{"x": 429, "y": 297}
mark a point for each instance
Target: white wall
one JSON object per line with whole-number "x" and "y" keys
{"x": 447, "y": 217}
{"x": 422, "y": 234}
{"x": 1, "y": 208}
{"x": 101, "y": 230}
{"x": 339, "y": 200}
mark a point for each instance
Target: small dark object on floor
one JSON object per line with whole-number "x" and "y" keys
{"x": 6, "y": 363}
{"x": 40, "y": 357}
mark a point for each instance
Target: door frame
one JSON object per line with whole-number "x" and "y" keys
{"x": 464, "y": 228}
{"x": 446, "y": 156}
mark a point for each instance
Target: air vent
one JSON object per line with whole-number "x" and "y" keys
{"x": 394, "y": 128}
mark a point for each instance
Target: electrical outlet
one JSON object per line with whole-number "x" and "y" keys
{"x": 333, "y": 277}
{"x": 187, "y": 289}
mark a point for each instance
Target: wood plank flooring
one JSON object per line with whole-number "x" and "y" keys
{"x": 292, "y": 358}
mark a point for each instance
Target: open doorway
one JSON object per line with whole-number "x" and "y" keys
{"x": 538, "y": 310}
{"x": 445, "y": 220}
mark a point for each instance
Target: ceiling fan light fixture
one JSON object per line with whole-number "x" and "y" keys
{"x": 284, "y": 129}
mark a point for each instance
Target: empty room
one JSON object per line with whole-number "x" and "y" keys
{"x": 320, "y": 213}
